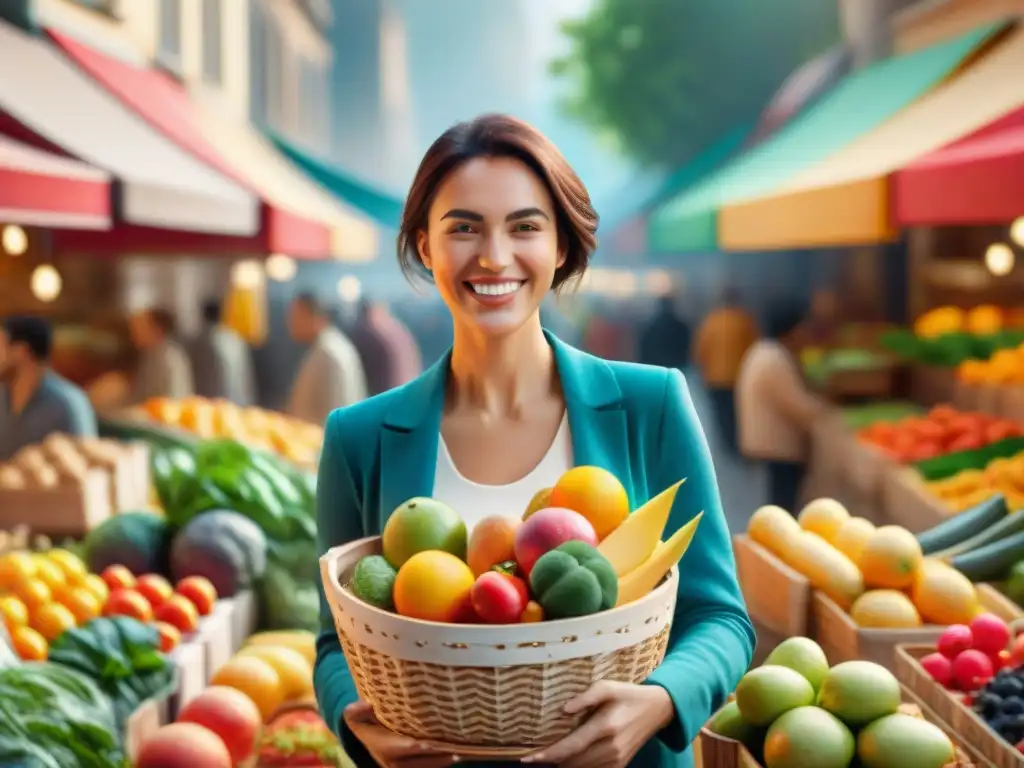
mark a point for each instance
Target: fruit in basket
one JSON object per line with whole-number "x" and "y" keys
{"x": 802, "y": 655}
{"x": 956, "y": 639}
{"x": 419, "y": 525}
{"x": 256, "y": 679}
{"x": 499, "y": 598}
{"x": 890, "y": 558}
{"x": 640, "y": 581}
{"x": 824, "y": 517}
{"x": 808, "y": 737}
{"x": 128, "y": 602}
{"x": 373, "y": 582}
{"x": 178, "y": 611}
{"x": 183, "y": 745}
{"x": 852, "y": 536}
{"x": 138, "y": 541}
{"x": 633, "y": 542}
{"x": 492, "y": 542}
{"x": 903, "y": 741}
{"x": 971, "y": 670}
{"x": 117, "y": 577}
{"x": 828, "y": 569}
{"x": 231, "y": 715}
{"x": 546, "y": 530}
{"x": 991, "y": 634}
{"x": 433, "y": 586}
{"x": 594, "y": 493}
{"x": 885, "y": 609}
{"x": 541, "y": 500}
{"x": 532, "y": 613}
{"x": 200, "y": 592}
{"x": 574, "y": 579}
{"x": 767, "y": 692}
{"x": 943, "y": 595}
{"x": 859, "y": 692}
{"x": 154, "y": 587}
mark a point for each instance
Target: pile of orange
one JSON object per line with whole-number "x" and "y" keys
{"x": 42, "y": 595}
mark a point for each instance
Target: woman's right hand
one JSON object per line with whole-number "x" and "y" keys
{"x": 387, "y": 747}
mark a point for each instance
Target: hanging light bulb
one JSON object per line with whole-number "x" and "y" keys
{"x": 999, "y": 259}
{"x": 350, "y": 289}
{"x": 46, "y": 283}
{"x": 13, "y": 240}
{"x": 1017, "y": 231}
{"x": 247, "y": 274}
{"x": 281, "y": 268}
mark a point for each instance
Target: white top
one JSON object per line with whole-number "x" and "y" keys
{"x": 331, "y": 376}
{"x": 473, "y": 501}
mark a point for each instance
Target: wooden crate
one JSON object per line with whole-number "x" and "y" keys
{"x": 143, "y": 723}
{"x": 842, "y": 640}
{"x": 931, "y": 384}
{"x": 1011, "y": 403}
{"x": 64, "y": 510}
{"x": 190, "y": 660}
{"x": 137, "y": 462}
{"x": 215, "y": 635}
{"x": 243, "y": 617}
{"x": 906, "y": 501}
{"x": 973, "y": 730}
{"x": 984, "y": 398}
{"x": 777, "y": 597}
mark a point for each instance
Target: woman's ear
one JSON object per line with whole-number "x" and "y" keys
{"x": 423, "y": 247}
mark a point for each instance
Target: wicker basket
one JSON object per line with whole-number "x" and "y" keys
{"x": 488, "y": 686}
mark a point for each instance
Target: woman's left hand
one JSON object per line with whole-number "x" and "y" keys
{"x": 623, "y": 718}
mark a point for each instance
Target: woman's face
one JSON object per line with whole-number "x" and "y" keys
{"x": 492, "y": 244}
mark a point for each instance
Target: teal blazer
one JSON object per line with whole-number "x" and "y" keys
{"x": 636, "y": 421}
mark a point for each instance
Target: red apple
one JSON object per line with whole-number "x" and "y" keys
{"x": 497, "y": 598}
{"x": 183, "y": 745}
{"x": 231, "y": 715}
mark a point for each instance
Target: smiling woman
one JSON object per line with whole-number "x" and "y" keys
{"x": 497, "y": 219}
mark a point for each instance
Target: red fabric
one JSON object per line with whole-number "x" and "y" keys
{"x": 977, "y": 180}
{"x": 166, "y": 105}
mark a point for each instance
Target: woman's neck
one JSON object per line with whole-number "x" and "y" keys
{"x": 501, "y": 375}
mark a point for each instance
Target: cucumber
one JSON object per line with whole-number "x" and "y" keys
{"x": 964, "y": 526}
{"x": 992, "y": 562}
{"x": 1008, "y": 526}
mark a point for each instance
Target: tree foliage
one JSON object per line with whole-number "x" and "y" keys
{"x": 667, "y": 77}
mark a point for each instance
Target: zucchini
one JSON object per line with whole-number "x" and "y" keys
{"x": 1008, "y": 526}
{"x": 992, "y": 562}
{"x": 964, "y": 526}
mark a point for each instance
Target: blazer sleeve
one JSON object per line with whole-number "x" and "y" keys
{"x": 338, "y": 522}
{"x": 712, "y": 639}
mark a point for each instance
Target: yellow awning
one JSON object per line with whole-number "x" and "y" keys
{"x": 844, "y": 200}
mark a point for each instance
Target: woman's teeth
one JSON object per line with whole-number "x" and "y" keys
{"x": 496, "y": 289}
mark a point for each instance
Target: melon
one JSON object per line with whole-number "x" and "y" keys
{"x": 226, "y": 547}
{"x": 137, "y": 540}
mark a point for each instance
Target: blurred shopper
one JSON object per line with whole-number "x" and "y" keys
{"x": 821, "y": 326}
{"x": 406, "y": 363}
{"x": 775, "y": 409}
{"x": 373, "y": 349}
{"x": 665, "y": 339}
{"x": 331, "y": 374}
{"x": 163, "y": 369}
{"x": 722, "y": 340}
{"x": 34, "y": 400}
{"x": 221, "y": 360}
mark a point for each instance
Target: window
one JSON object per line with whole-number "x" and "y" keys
{"x": 212, "y": 39}
{"x": 169, "y": 53}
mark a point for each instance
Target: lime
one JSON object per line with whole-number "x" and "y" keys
{"x": 373, "y": 582}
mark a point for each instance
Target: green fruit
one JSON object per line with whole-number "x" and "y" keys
{"x": 373, "y": 582}
{"x": 902, "y": 741}
{"x": 574, "y": 579}
{"x": 803, "y": 655}
{"x": 859, "y": 692}
{"x": 423, "y": 524}
{"x": 808, "y": 737}
{"x": 1015, "y": 583}
{"x": 728, "y": 722}
{"x": 765, "y": 693}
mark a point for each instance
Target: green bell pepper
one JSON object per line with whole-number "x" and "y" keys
{"x": 573, "y": 579}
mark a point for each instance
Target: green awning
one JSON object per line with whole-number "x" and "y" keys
{"x": 861, "y": 102}
{"x": 383, "y": 208}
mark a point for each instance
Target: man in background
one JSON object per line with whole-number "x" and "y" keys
{"x": 665, "y": 339}
{"x": 221, "y": 360}
{"x": 331, "y": 374}
{"x": 163, "y": 369}
{"x": 34, "y": 400}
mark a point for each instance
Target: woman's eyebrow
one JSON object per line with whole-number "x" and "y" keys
{"x": 522, "y": 213}
{"x": 462, "y": 213}
{"x": 525, "y": 213}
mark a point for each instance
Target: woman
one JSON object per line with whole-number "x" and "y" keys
{"x": 775, "y": 408}
{"x": 497, "y": 219}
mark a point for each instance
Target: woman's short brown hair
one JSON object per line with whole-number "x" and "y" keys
{"x": 502, "y": 136}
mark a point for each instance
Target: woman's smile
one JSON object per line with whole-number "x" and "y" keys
{"x": 494, "y": 292}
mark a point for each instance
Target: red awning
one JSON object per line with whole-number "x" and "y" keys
{"x": 166, "y": 106}
{"x": 977, "y": 180}
{"x": 41, "y": 189}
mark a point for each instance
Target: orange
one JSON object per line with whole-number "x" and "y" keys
{"x": 97, "y": 586}
{"x": 295, "y": 672}
{"x": 29, "y": 644}
{"x": 52, "y": 620}
{"x": 890, "y": 558}
{"x": 492, "y": 542}
{"x": 433, "y": 586}
{"x": 16, "y": 567}
{"x": 256, "y": 679}
{"x": 71, "y": 564}
{"x": 82, "y": 603}
{"x": 596, "y": 494}
{"x": 13, "y": 612}
{"x": 48, "y": 572}
{"x": 33, "y": 593}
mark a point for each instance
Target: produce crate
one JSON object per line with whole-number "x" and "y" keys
{"x": 931, "y": 384}
{"x": 62, "y": 510}
{"x": 190, "y": 660}
{"x": 907, "y": 502}
{"x": 995, "y": 750}
{"x": 778, "y": 598}
{"x": 143, "y": 723}
{"x": 216, "y": 635}
{"x": 243, "y": 617}
{"x": 714, "y": 751}
{"x": 1011, "y": 403}
{"x": 138, "y": 476}
{"x": 842, "y": 640}
{"x": 984, "y": 398}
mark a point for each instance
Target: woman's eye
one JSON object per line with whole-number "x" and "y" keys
{"x": 462, "y": 229}
{"x": 525, "y": 226}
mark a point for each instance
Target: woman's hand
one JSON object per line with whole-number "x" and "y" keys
{"x": 387, "y": 747}
{"x": 623, "y": 718}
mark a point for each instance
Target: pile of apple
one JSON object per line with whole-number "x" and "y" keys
{"x": 150, "y": 598}
{"x": 968, "y": 656}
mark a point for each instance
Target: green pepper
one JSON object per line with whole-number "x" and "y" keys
{"x": 573, "y": 579}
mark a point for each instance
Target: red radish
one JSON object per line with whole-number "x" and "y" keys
{"x": 991, "y": 634}
{"x": 497, "y": 598}
{"x": 228, "y": 713}
{"x": 971, "y": 670}
{"x": 183, "y": 745}
{"x": 955, "y": 640}
{"x": 939, "y": 667}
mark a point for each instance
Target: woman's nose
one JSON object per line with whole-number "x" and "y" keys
{"x": 496, "y": 253}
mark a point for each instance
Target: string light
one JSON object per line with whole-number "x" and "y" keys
{"x": 46, "y": 283}
{"x": 999, "y": 259}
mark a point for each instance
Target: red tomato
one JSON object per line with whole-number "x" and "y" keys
{"x": 128, "y": 602}
{"x": 200, "y": 591}
{"x": 117, "y": 577}
{"x": 969, "y": 441}
{"x": 1001, "y": 430}
{"x": 170, "y": 637}
{"x": 154, "y": 587}
{"x": 179, "y": 612}
{"x": 497, "y": 598}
